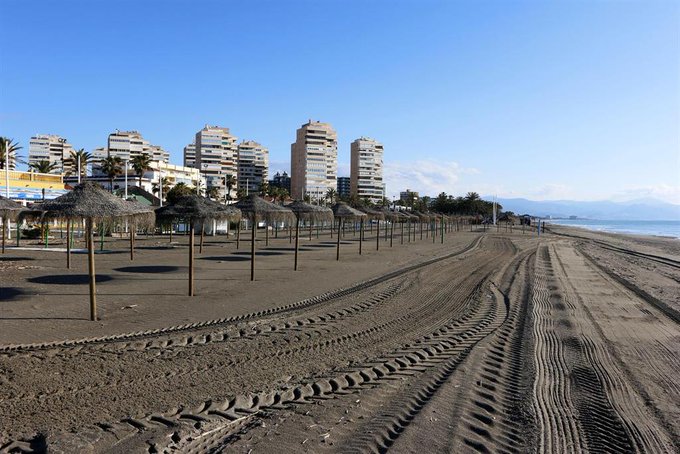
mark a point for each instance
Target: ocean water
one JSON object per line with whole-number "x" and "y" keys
{"x": 656, "y": 228}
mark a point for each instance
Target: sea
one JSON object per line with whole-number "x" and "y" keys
{"x": 656, "y": 228}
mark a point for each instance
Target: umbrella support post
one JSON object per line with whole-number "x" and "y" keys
{"x": 191, "y": 259}
{"x": 409, "y": 231}
{"x": 310, "y": 230}
{"x": 297, "y": 235}
{"x": 391, "y": 233}
{"x": 132, "y": 242}
{"x": 442, "y": 233}
{"x": 340, "y": 226}
{"x": 4, "y": 233}
{"x": 91, "y": 270}
{"x": 266, "y": 234}
{"x": 200, "y": 247}
{"x": 101, "y": 237}
{"x": 68, "y": 244}
{"x": 276, "y": 230}
{"x": 252, "y": 250}
{"x": 361, "y": 234}
{"x": 401, "y": 237}
{"x": 377, "y": 236}
{"x": 421, "y": 230}
{"x": 238, "y": 235}
{"x": 290, "y": 234}
{"x": 18, "y": 232}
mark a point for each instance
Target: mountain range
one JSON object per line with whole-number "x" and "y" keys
{"x": 634, "y": 210}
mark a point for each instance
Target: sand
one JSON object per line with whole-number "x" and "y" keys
{"x": 496, "y": 341}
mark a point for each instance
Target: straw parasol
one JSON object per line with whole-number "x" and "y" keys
{"x": 372, "y": 215}
{"x": 139, "y": 217}
{"x": 256, "y": 208}
{"x": 193, "y": 208}
{"x": 90, "y": 202}
{"x": 304, "y": 211}
{"x": 342, "y": 212}
{"x": 9, "y": 211}
{"x": 423, "y": 218}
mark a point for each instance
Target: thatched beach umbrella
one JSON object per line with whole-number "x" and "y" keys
{"x": 304, "y": 211}
{"x": 342, "y": 212}
{"x": 193, "y": 208}
{"x": 90, "y": 202}
{"x": 372, "y": 215}
{"x": 227, "y": 212}
{"x": 422, "y": 218}
{"x": 256, "y": 208}
{"x": 139, "y": 217}
{"x": 9, "y": 211}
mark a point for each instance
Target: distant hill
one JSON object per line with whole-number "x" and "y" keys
{"x": 634, "y": 210}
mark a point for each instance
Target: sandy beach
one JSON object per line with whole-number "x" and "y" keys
{"x": 492, "y": 341}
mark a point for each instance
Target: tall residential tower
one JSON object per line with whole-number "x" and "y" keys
{"x": 253, "y": 166}
{"x": 314, "y": 160}
{"x": 49, "y": 147}
{"x": 216, "y": 155}
{"x": 367, "y": 170}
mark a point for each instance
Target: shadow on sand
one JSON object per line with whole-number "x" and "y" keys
{"x": 69, "y": 279}
{"x": 147, "y": 269}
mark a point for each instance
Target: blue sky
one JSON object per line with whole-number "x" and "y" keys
{"x": 546, "y": 100}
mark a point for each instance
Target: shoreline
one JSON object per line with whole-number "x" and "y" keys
{"x": 587, "y": 228}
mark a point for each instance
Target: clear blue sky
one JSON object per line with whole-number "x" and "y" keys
{"x": 546, "y": 100}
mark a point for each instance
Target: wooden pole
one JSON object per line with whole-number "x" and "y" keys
{"x": 391, "y": 232}
{"x": 91, "y": 270}
{"x": 337, "y": 253}
{"x": 68, "y": 244}
{"x": 191, "y": 258}
{"x": 401, "y": 237}
{"x": 266, "y": 234}
{"x": 361, "y": 234}
{"x": 132, "y": 241}
{"x": 409, "y": 230}
{"x": 441, "y": 229}
{"x": 252, "y": 248}
{"x": 4, "y": 234}
{"x": 297, "y": 241}
{"x": 377, "y": 236}
{"x": 310, "y": 230}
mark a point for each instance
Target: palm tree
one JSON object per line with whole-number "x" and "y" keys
{"x": 112, "y": 166}
{"x": 331, "y": 194}
{"x": 282, "y": 194}
{"x": 10, "y": 147}
{"x": 141, "y": 163}
{"x": 72, "y": 161}
{"x": 212, "y": 192}
{"x": 264, "y": 188}
{"x": 43, "y": 166}
{"x": 229, "y": 182}
{"x": 155, "y": 187}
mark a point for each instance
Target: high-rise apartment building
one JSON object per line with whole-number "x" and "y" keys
{"x": 314, "y": 160}
{"x": 216, "y": 155}
{"x": 128, "y": 144}
{"x": 253, "y": 166}
{"x": 190, "y": 155}
{"x": 367, "y": 170}
{"x": 52, "y": 148}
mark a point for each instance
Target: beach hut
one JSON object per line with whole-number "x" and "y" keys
{"x": 193, "y": 208}
{"x": 255, "y": 209}
{"x": 307, "y": 212}
{"x": 90, "y": 202}
{"x": 343, "y": 212}
{"x": 9, "y": 211}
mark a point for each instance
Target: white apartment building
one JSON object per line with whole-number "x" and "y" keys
{"x": 366, "y": 177}
{"x": 173, "y": 173}
{"x": 253, "y": 166}
{"x": 128, "y": 144}
{"x": 190, "y": 155}
{"x": 49, "y": 147}
{"x": 314, "y": 160}
{"x": 216, "y": 155}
